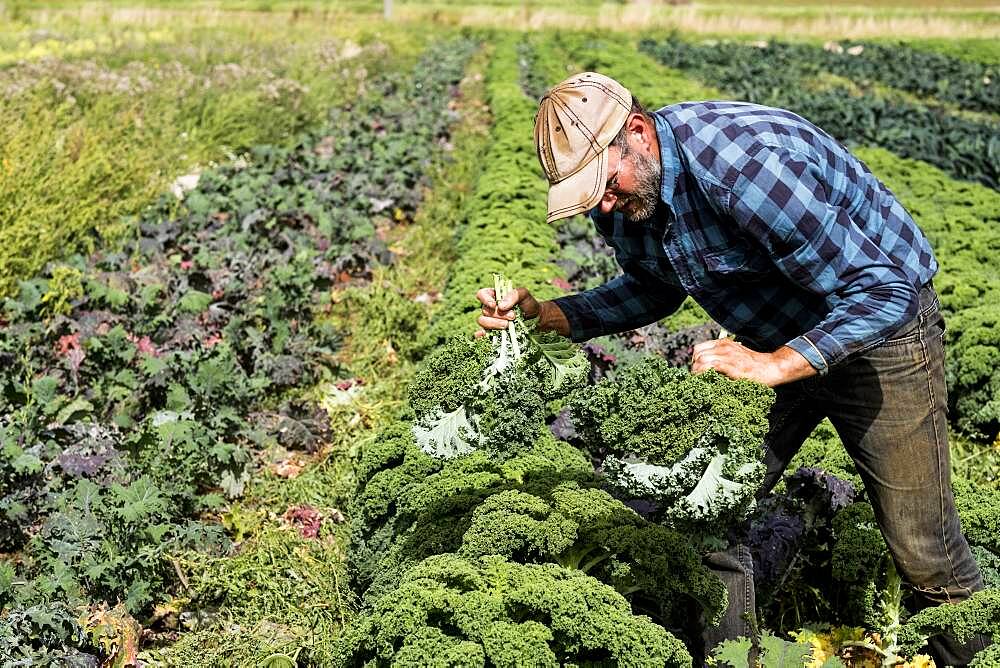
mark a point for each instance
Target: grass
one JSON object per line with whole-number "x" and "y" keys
{"x": 813, "y": 20}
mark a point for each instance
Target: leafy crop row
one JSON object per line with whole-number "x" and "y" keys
{"x": 961, "y": 221}
{"x": 787, "y": 75}
{"x": 138, "y": 384}
{"x": 476, "y": 533}
{"x": 969, "y": 85}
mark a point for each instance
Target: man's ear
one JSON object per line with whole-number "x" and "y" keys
{"x": 642, "y": 130}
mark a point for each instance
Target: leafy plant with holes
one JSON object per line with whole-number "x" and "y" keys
{"x": 491, "y": 394}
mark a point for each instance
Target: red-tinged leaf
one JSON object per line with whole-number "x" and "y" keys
{"x": 68, "y": 343}
{"x": 144, "y": 345}
{"x": 306, "y": 519}
{"x": 562, "y": 284}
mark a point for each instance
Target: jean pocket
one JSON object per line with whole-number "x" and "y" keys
{"x": 908, "y": 333}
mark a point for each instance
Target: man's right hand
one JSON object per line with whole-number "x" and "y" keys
{"x": 496, "y": 316}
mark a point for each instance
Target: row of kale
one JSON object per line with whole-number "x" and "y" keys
{"x": 138, "y": 383}
{"x": 792, "y": 76}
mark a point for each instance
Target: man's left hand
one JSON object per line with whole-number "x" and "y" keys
{"x": 736, "y": 361}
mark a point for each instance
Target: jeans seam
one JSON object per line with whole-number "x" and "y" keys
{"x": 745, "y": 552}
{"x": 938, "y": 463}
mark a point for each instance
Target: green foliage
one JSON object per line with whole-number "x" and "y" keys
{"x": 691, "y": 443}
{"x": 492, "y": 393}
{"x": 467, "y": 612}
{"x": 505, "y": 230}
{"x": 786, "y": 75}
{"x": 972, "y": 49}
{"x": 64, "y": 286}
{"x": 968, "y": 84}
{"x": 281, "y": 593}
{"x": 978, "y": 508}
{"x": 400, "y": 487}
{"x": 448, "y": 377}
{"x": 979, "y": 614}
{"x": 859, "y": 563}
{"x": 584, "y": 528}
{"x": 109, "y": 132}
{"x": 774, "y": 652}
{"x": 961, "y": 220}
{"x": 45, "y": 634}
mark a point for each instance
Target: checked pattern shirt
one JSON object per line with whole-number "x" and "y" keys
{"x": 773, "y": 227}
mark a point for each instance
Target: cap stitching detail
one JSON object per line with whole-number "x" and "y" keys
{"x": 544, "y": 149}
{"x": 593, "y": 192}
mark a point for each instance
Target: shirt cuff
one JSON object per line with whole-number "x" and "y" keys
{"x": 583, "y": 321}
{"x": 819, "y": 348}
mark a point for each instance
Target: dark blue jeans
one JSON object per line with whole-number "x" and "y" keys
{"x": 888, "y": 405}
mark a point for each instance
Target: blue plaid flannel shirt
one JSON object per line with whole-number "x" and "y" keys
{"x": 773, "y": 227}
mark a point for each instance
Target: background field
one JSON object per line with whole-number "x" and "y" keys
{"x": 233, "y": 233}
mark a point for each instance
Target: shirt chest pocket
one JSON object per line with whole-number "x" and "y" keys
{"x": 737, "y": 262}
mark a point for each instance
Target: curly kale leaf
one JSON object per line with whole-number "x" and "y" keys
{"x": 586, "y": 529}
{"x": 775, "y": 652}
{"x": 563, "y": 363}
{"x": 449, "y": 377}
{"x": 706, "y": 489}
{"x": 690, "y": 443}
{"x": 491, "y": 393}
{"x": 979, "y": 614}
{"x": 660, "y": 413}
{"x": 506, "y": 614}
{"x": 447, "y": 435}
{"x": 859, "y": 562}
{"x": 409, "y": 505}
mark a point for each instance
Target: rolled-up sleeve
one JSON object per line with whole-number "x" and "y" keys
{"x": 779, "y": 199}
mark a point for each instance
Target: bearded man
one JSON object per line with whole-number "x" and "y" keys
{"x": 787, "y": 240}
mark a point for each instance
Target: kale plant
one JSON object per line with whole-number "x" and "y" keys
{"x": 691, "y": 443}
{"x": 458, "y": 612}
{"x": 492, "y": 394}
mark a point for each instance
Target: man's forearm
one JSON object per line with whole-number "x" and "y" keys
{"x": 552, "y": 319}
{"x": 789, "y": 366}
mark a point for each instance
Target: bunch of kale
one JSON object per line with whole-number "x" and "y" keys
{"x": 690, "y": 443}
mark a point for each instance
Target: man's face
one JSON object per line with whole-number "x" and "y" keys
{"x": 633, "y": 186}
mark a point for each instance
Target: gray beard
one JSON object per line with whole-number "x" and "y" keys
{"x": 647, "y": 192}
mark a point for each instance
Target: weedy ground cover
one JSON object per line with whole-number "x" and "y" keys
{"x": 90, "y": 135}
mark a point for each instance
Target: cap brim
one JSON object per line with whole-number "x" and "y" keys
{"x": 580, "y": 192}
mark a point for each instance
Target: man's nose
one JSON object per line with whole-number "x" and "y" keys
{"x": 608, "y": 203}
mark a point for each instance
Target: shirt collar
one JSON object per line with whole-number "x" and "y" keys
{"x": 669, "y": 160}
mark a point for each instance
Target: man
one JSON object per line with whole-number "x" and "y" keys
{"x": 787, "y": 240}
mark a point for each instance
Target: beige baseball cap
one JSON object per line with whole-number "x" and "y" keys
{"x": 576, "y": 121}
